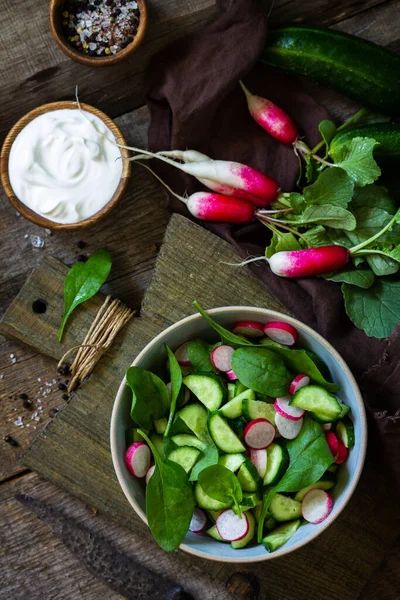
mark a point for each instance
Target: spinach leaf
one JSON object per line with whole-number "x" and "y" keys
{"x": 328, "y": 131}
{"x": 261, "y": 370}
{"x": 220, "y": 483}
{"x": 199, "y": 356}
{"x": 83, "y": 281}
{"x": 326, "y": 214}
{"x": 362, "y": 277}
{"x": 283, "y": 241}
{"x": 309, "y": 456}
{"x": 176, "y": 384}
{"x": 356, "y": 158}
{"x": 209, "y": 456}
{"x": 170, "y": 501}
{"x": 150, "y": 399}
{"x": 227, "y": 336}
{"x": 376, "y": 310}
{"x": 333, "y": 187}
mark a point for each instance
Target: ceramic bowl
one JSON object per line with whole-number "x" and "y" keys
{"x": 153, "y": 355}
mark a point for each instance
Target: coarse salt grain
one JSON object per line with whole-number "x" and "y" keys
{"x": 18, "y": 422}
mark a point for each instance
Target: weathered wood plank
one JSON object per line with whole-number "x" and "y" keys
{"x": 318, "y": 12}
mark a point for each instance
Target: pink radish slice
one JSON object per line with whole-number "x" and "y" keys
{"x": 251, "y": 329}
{"x": 288, "y": 428}
{"x": 293, "y": 413}
{"x": 259, "y": 434}
{"x": 137, "y": 459}
{"x": 327, "y": 426}
{"x": 333, "y": 442}
{"x": 316, "y": 506}
{"x": 182, "y": 355}
{"x": 199, "y": 521}
{"x": 150, "y": 473}
{"x": 281, "y": 332}
{"x": 221, "y": 358}
{"x": 298, "y": 382}
{"x": 259, "y": 460}
{"x": 231, "y": 375}
{"x": 231, "y": 527}
{"x": 341, "y": 453}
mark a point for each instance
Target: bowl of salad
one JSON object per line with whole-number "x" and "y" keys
{"x": 238, "y": 434}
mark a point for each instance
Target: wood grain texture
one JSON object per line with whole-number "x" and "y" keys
{"x": 73, "y": 450}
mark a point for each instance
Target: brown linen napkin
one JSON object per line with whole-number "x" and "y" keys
{"x": 196, "y": 103}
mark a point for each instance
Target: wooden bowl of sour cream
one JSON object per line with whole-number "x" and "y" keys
{"x": 111, "y": 178}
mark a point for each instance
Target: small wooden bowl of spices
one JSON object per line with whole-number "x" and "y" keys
{"x": 98, "y": 33}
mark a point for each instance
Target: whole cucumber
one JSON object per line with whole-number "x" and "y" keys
{"x": 358, "y": 69}
{"x": 387, "y": 134}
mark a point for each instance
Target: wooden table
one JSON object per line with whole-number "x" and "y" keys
{"x": 33, "y": 71}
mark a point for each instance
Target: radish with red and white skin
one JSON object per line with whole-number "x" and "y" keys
{"x": 182, "y": 355}
{"x": 341, "y": 453}
{"x": 281, "y": 332}
{"x": 271, "y": 118}
{"x": 298, "y": 382}
{"x": 231, "y": 375}
{"x": 199, "y": 521}
{"x": 288, "y": 428}
{"x": 221, "y": 358}
{"x": 138, "y": 458}
{"x": 251, "y": 329}
{"x": 311, "y": 261}
{"x": 259, "y": 460}
{"x": 259, "y": 433}
{"x": 293, "y": 413}
{"x": 316, "y": 506}
{"x": 231, "y": 527}
{"x": 150, "y": 473}
{"x": 333, "y": 442}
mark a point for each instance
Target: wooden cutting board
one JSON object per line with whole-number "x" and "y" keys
{"x": 73, "y": 450}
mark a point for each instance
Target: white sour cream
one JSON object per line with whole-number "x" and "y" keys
{"x": 63, "y": 165}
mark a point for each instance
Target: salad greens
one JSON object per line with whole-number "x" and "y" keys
{"x": 150, "y": 396}
{"x": 220, "y": 483}
{"x": 261, "y": 370}
{"x": 176, "y": 384}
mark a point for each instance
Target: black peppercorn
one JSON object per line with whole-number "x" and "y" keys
{"x": 82, "y": 258}
{"x": 10, "y": 440}
{"x": 23, "y": 396}
{"x": 65, "y": 397}
{"x": 27, "y": 404}
{"x": 62, "y": 386}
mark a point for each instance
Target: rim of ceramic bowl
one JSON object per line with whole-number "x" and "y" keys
{"x": 277, "y": 316}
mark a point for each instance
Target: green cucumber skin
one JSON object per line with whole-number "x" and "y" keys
{"x": 387, "y": 134}
{"x": 357, "y": 68}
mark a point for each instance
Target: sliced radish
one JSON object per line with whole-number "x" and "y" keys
{"x": 316, "y": 506}
{"x": 333, "y": 442}
{"x": 221, "y": 358}
{"x": 251, "y": 329}
{"x": 259, "y": 434}
{"x": 231, "y": 527}
{"x": 182, "y": 355}
{"x": 298, "y": 382}
{"x": 341, "y": 453}
{"x": 281, "y": 332}
{"x": 137, "y": 459}
{"x": 231, "y": 375}
{"x": 288, "y": 428}
{"x": 259, "y": 460}
{"x": 150, "y": 473}
{"x": 293, "y": 413}
{"x": 199, "y": 521}
{"x": 327, "y": 426}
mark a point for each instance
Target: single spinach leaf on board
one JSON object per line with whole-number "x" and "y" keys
{"x": 331, "y": 216}
{"x": 170, "y": 501}
{"x": 376, "y": 310}
{"x": 261, "y": 370}
{"x": 220, "y": 483}
{"x": 283, "y": 241}
{"x": 199, "y": 356}
{"x": 176, "y": 384}
{"x": 309, "y": 456}
{"x": 328, "y": 131}
{"x": 83, "y": 281}
{"x": 227, "y": 336}
{"x": 356, "y": 158}
{"x": 362, "y": 277}
{"x": 150, "y": 398}
{"x": 333, "y": 187}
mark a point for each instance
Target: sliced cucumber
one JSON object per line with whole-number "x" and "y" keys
{"x": 224, "y": 438}
{"x": 158, "y": 442}
{"x": 213, "y": 532}
{"x": 232, "y": 409}
{"x": 345, "y": 432}
{"x": 195, "y": 417}
{"x": 325, "y": 483}
{"x": 214, "y": 514}
{"x": 284, "y": 508}
{"x": 209, "y": 390}
{"x": 160, "y": 425}
{"x": 204, "y": 501}
{"x": 256, "y": 409}
{"x": 317, "y": 400}
{"x": 270, "y": 523}
{"x": 280, "y": 535}
{"x": 185, "y": 439}
{"x": 277, "y": 463}
{"x": 231, "y": 391}
{"x": 248, "y": 477}
{"x": 257, "y": 511}
{"x": 232, "y": 461}
{"x": 186, "y": 456}
{"x": 251, "y": 499}
{"x": 239, "y": 388}
{"x": 249, "y": 535}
